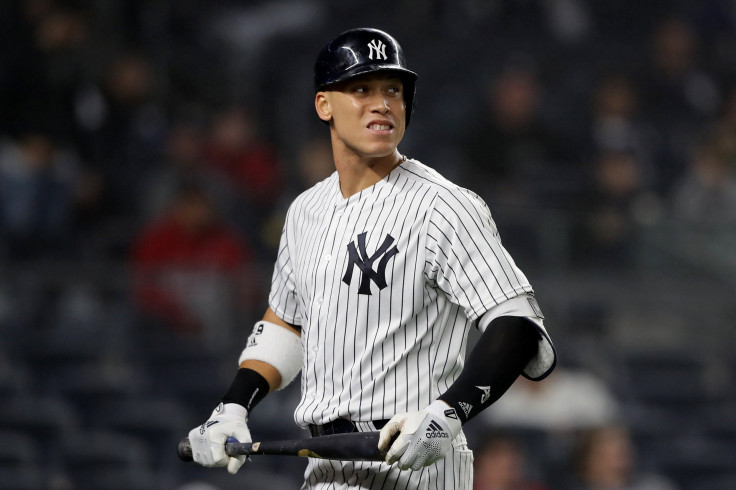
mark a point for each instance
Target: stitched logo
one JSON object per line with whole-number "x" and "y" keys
{"x": 467, "y": 407}
{"x": 358, "y": 257}
{"x": 486, "y": 393}
{"x": 378, "y": 48}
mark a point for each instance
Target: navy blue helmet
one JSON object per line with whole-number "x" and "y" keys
{"x": 358, "y": 52}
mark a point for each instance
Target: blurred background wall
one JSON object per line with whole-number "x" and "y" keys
{"x": 149, "y": 150}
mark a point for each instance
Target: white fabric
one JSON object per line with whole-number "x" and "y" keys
{"x": 526, "y": 306}
{"x": 208, "y": 440}
{"x": 385, "y": 286}
{"x": 277, "y": 346}
{"x": 424, "y": 437}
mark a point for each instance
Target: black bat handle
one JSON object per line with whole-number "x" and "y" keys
{"x": 349, "y": 447}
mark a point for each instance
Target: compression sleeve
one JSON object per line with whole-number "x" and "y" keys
{"x": 498, "y": 358}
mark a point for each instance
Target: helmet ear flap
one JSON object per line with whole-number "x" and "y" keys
{"x": 360, "y": 51}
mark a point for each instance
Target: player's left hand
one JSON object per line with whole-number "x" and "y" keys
{"x": 424, "y": 437}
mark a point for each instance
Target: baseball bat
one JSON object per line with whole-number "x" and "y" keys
{"x": 356, "y": 446}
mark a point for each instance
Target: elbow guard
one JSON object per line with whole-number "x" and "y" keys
{"x": 277, "y": 346}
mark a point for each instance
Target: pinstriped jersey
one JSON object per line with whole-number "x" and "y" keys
{"x": 385, "y": 285}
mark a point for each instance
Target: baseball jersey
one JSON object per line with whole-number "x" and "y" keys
{"x": 385, "y": 285}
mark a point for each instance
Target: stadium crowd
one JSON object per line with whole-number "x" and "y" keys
{"x": 148, "y": 152}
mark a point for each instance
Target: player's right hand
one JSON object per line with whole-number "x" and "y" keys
{"x": 208, "y": 440}
{"x": 419, "y": 439}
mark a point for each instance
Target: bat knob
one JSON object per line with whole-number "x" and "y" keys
{"x": 184, "y": 450}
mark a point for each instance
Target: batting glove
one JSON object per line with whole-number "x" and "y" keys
{"x": 422, "y": 437}
{"x": 208, "y": 440}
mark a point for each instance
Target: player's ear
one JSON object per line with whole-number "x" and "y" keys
{"x": 322, "y": 105}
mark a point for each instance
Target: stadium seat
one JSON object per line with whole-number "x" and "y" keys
{"x": 107, "y": 459}
{"x": 45, "y": 419}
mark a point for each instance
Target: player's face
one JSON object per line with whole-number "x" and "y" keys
{"x": 367, "y": 114}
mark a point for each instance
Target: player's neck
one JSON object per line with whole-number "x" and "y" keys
{"x": 358, "y": 173}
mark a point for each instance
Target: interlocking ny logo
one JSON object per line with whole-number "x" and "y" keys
{"x": 377, "y": 47}
{"x": 359, "y": 257}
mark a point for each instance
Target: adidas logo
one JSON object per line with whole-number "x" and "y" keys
{"x": 467, "y": 407}
{"x": 435, "y": 430}
{"x": 203, "y": 428}
{"x": 486, "y": 393}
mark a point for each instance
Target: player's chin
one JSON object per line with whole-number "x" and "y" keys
{"x": 381, "y": 147}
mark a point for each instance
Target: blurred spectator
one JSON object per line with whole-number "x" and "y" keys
{"x": 703, "y": 204}
{"x": 37, "y": 185}
{"x": 312, "y": 164}
{"x": 706, "y": 195}
{"x": 569, "y": 20}
{"x": 509, "y": 147}
{"x": 605, "y": 459}
{"x": 50, "y": 59}
{"x": 501, "y": 464}
{"x": 189, "y": 265}
{"x": 727, "y": 118}
{"x": 314, "y": 161}
{"x": 235, "y": 149}
{"x": 678, "y": 94}
{"x": 568, "y": 400}
{"x": 125, "y": 136}
{"x": 182, "y": 160}
{"x": 617, "y": 201}
{"x": 616, "y": 125}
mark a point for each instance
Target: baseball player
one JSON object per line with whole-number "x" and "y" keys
{"x": 381, "y": 271}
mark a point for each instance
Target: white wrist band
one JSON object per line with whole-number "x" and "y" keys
{"x": 277, "y": 346}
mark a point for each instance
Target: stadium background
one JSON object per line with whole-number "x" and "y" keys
{"x": 601, "y": 133}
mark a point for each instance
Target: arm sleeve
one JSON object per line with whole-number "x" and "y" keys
{"x": 497, "y": 359}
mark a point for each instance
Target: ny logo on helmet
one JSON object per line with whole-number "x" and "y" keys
{"x": 359, "y": 257}
{"x": 377, "y": 47}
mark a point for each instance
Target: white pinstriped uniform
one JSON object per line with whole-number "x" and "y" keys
{"x": 385, "y": 285}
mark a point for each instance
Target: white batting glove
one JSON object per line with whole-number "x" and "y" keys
{"x": 424, "y": 437}
{"x": 208, "y": 440}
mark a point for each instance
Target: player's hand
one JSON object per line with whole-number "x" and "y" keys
{"x": 208, "y": 440}
{"x": 424, "y": 437}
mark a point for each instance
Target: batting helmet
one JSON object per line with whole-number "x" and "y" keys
{"x": 360, "y": 51}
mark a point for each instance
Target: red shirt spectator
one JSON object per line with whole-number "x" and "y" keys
{"x": 235, "y": 150}
{"x": 186, "y": 258}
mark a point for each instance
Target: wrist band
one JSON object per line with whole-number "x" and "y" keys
{"x": 247, "y": 389}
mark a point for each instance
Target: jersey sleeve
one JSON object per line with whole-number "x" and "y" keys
{"x": 283, "y": 298}
{"x": 526, "y": 306}
{"x": 465, "y": 257}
